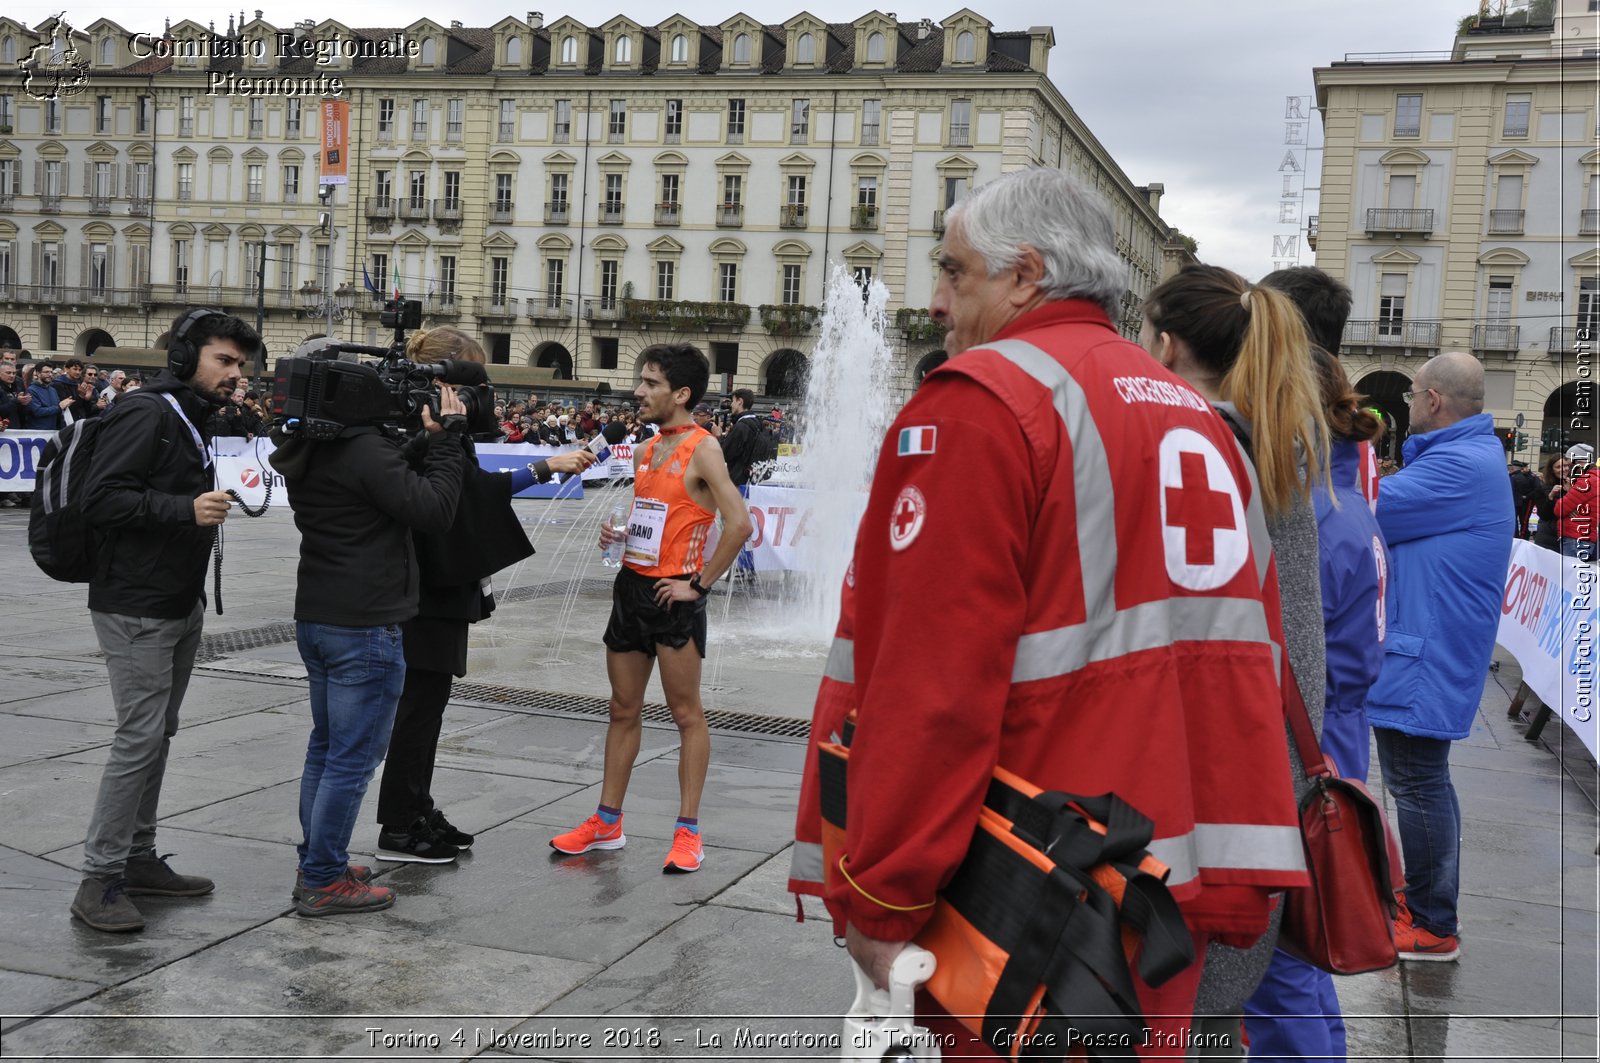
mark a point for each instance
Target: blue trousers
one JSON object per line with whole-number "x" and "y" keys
{"x": 1416, "y": 771}
{"x": 1294, "y": 1013}
{"x": 356, "y": 676}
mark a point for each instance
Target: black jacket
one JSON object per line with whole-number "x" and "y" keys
{"x": 356, "y": 503}
{"x": 742, "y": 445}
{"x": 140, "y": 495}
{"x": 10, "y": 408}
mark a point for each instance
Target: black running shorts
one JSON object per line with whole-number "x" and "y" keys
{"x": 639, "y": 625}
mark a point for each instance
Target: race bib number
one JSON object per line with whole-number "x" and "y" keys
{"x": 647, "y": 525}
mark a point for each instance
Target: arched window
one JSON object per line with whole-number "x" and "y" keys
{"x": 108, "y": 51}
{"x": 624, "y": 49}
{"x": 741, "y": 48}
{"x": 427, "y": 51}
{"x": 805, "y": 49}
{"x": 8, "y": 50}
{"x": 875, "y": 48}
{"x": 965, "y": 44}
{"x": 514, "y": 50}
{"x": 680, "y": 49}
{"x": 569, "y": 49}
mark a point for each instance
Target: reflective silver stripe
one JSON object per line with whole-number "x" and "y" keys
{"x": 1095, "y": 506}
{"x": 805, "y": 863}
{"x": 1150, "y": 625}
{"x": 1246, "y": 846}
{"x": 841, "y": 666}
{"x": 54, "y": 499}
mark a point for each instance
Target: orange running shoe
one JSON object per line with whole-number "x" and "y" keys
{"x": 686, "y": 855}
{"x": 592, "y": 833}
{"x": 1417, "y": 943}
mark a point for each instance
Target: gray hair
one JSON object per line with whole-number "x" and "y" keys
{"x": 1067, "y": 222}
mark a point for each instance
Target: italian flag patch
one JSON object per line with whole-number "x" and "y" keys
{"x": 919, "y": 440}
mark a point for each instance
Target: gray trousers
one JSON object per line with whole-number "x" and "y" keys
{"x": 149, "y": 661}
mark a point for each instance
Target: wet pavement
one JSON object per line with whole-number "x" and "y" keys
{"x": 516, "y": 952}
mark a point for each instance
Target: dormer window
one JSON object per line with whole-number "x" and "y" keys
{"x": 624, "y": 53}
{"x": 966, "y": 46}
{"x": 680, "y": 49}
{"x": 741, "y": 48}
{"x": 513, "y": 50}
{"x": 428, "y": 51}
{"x": 108, "y": 51}
{"x": 569, "y": 50}
{"x": 805, "y": 50}
{"x": 875, "y": 48}
{"x": 8, "y": 50}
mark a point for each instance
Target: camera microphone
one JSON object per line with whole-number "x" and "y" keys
{"x": 467, "y": 374}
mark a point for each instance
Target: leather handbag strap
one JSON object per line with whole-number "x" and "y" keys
{"x": 1299, "y": 720}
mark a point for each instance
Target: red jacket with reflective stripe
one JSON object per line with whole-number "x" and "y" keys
{"x": 1073, "y": 581}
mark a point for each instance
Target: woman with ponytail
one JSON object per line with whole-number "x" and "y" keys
{"x": 1245, "y": 350}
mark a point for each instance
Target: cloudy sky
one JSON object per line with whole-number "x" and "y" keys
{"x": 1186, "y": 93}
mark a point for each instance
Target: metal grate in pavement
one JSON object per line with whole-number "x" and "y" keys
{"x": 654, "y": 712}
{"x": 545, "y": 590}
{"x": 224, "y": 643}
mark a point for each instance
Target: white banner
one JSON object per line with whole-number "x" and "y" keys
{"x": 783, "y": 519}
{"x": 19, "y": 458}
{"x": 1547, "y": 622}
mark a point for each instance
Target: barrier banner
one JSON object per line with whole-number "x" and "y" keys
{"x": 782, "y": 519}
{"x": 244, "y": 469}
{"x": 19, "y": 458}
{"x": 1547, "y": 622}
{"x": 508, "y": 457}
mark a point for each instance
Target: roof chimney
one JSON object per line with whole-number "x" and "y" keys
{"x": 1153, "y": 192}
{"x": 924, "y": 28}
{"x": 536, "y": 19}
{"x": 259, "y": 13}
{"x": 455, "y": 23}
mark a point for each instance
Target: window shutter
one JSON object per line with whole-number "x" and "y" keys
{"x": 38, "y": 177}
{"x": 38, "y": 263}
{"x": 84, "y": 271}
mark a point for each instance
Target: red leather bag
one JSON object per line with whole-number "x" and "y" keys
{"x": 1343, "y": 922}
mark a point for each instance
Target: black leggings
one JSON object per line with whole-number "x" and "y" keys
{"x": 405, "y": 792}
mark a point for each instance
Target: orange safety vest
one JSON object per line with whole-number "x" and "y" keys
{"x": 667, "y": 529}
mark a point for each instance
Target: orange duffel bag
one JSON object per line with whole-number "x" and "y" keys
{"x": 1056, "y": 903}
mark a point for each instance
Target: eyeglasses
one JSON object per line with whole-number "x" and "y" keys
{"x": 1407, "y": 396}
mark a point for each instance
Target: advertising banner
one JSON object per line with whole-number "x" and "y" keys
{"x": 19, "y": 457}
{"x": 335, "y": 142}
{"x": 1547, "y": 622}
{"x": 782, "y": 519}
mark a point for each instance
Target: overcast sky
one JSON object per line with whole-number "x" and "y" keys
{"x": 1186, "y": 93}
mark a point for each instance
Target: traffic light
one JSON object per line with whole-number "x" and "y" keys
{"x": 1508, "y": 438}
{"x": 1521, "y": 442}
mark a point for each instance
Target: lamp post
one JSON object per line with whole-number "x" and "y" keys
{"x": 335, "y": 305}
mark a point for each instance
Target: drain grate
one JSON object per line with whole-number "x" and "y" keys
{"x": 224, "y": 643}
{"x": 654, "y": 712}
{"x": 546, "y": 590}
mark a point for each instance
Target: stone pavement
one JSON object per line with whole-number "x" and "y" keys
{"x": 516, "y": 952}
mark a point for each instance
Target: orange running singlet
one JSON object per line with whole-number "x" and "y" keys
{"x": 667, "y": 529}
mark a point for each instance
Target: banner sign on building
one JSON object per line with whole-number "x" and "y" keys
{"x": 335, "y": 142}
{"x": 1292, "y": 172}
{"x": 1547, "y": 622}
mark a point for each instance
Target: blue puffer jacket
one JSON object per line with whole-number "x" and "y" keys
{"x": 1447, "y": 518}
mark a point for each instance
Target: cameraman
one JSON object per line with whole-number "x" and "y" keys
{"x": 454, "y": 567}
{"x": 355, "y": 502}
{"x": 744, "y": 442}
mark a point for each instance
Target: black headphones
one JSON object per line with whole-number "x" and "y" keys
{"x": 183, "y": 357}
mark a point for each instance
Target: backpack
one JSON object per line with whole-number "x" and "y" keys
{"x": 63, "y": 543}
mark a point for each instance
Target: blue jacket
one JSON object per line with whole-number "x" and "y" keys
{"x": 45, "y": 411}
{"x": 1447, "y": 518}
{"x": 1355, "y": 574}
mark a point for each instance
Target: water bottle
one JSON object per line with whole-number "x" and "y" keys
{"x": 612, "y": 557}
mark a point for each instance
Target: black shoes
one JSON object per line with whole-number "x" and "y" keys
{"x": 151, "y": 876}
{"x": 419, "y": 843}
{"x": 447, "y": 833}
{"x": 104, "y": 905}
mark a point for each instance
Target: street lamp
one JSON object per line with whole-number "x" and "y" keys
{"x": 334, "y": 307}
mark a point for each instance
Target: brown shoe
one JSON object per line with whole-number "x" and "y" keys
{"x": 151, "y": 876}
{"x": 104, "y": 905}
{"x": 343, "y": 896}
{"x": 362, "y": 873}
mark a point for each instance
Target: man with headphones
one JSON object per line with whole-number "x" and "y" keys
{"x": 150, "y": 494}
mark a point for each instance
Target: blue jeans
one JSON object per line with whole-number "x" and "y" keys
{"x": 1417, "y": 772}
{"x": 1294, "y": 1014}
{"x": 1582, "y": 549}
{"x": 356, "y": 676}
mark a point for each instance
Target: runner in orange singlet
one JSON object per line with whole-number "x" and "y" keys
{"x": 658, "y": 604}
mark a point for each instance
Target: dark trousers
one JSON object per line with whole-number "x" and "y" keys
{"x": 406, "y": 790}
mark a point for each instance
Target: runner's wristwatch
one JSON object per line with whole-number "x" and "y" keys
{"x": 694, "y": 585}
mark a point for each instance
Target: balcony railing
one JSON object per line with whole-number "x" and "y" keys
{"x": 1495, "y": 336}
{"x": 869, "y": 135}
{"x": 7, "y": 201}
{"x": 253, "y": 196}
{"x": 730, "y": 215}
{"x": 611, "y": 214}
{"x": 788, "y": 319}
{"x": 291, "y": 131}
{"x": 556, "y": 212}
{"x": 792, "y": 216}
{"x": 414, "y": 209}
{"x": 452, "y": 133}
{"x": 1400, "y": 220}
{"x": 1506, "y": 221}
{"x": 419, "y": 131}
{"x": 1312, "y": 226}
{"x": 138, "y": 205}
{"x": 603, "y": 309}
{"x": 1382, "y": 333}
{"x": 1564, "y": 339}
{"x": 684, "y": 315}
{"x": 439, "y": 303}
{"x": 50, "y": 201}
{"x": 917, "y": 325}
{"x": 257, "y": 129}
{"x": 186, "y": 127}
{"x": 672, "y": 136}
{"x": 666, "y": 213}
{"x": 502, "y": 212}
{"x": 99, "y": 204}
{"x": 507, "y": 132}
{"x": 735, "y": 136}
{"x": 549, "y": 308}
{"x": 863, "y": 217}
{"x": 447, "y": 210}
{"x": 385, "y": 135}
{"x": 380, "y": 207}
{"x": 561, "y": 135}
{"x": 1588, "y": 222}
{"x": 938, "y": 222}
{"x": 494, "y": 306}
{"x": 8, "y": 293}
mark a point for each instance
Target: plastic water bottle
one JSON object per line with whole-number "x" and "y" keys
{"x": 618, "y": 522}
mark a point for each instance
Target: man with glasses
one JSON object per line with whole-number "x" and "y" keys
{"x": 1448, "y": 520}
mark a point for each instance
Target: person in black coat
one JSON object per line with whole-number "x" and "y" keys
{"x": 1548, "y": 489}
{"x": 454, "y": 567}
{"x": 1524, "y": 488}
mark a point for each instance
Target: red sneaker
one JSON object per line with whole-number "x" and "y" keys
{"x": 592, "y": 833}
{"x": 1416, "y": 943}
{"x": 686, "y": 855}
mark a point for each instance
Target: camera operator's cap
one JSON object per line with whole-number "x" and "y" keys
{"x": 703, "y": 407}
{"x": 1580, "y": 452}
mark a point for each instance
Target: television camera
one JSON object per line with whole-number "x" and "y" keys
{"x": 324, "y": 389}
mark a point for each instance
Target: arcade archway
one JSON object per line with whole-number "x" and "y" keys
{"x": 1568, "y": 416}
{"x": 785, "y": 376}
{"x": 91, "y": 340}
{"x": 554, "y": 356}
{"x": 9, "y": 340}
{"x": 930, "y": 361}
{"x": 1385, "y": 392}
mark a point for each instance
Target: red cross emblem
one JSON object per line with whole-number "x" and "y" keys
{"x": 905, "y": 519}
{"x": 1198, "y": 510}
